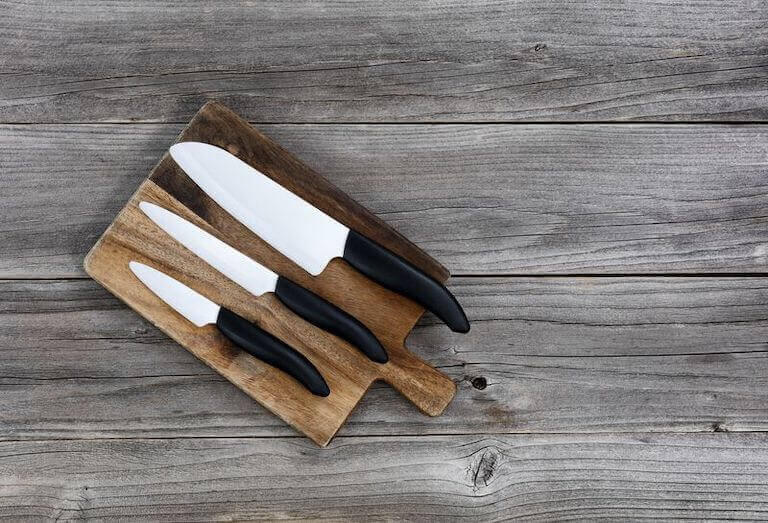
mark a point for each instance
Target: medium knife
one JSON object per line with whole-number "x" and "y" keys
{"x": 201, "y": 311}
{"x": 305, "y": 234}
{"x": 258, "y": 280}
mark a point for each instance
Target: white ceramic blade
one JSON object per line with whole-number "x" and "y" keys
{"x": 249, "y": 274}
{"x": 294, "y": 227}
{"x": 196, "y": 308}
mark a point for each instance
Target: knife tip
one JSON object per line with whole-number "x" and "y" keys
{"x": 146, "y": 206}
{"x": 182, "y": 147}
{"x": 136, "y": 267}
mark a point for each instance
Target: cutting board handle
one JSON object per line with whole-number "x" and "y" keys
{"x": 429, "y": 389}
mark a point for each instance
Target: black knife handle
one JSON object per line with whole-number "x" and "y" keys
{"x": 328, "y": 317}
{"x": 399, "y": 275}
{"x": 269, "y": 349}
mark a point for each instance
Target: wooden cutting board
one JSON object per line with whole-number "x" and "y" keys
{"x": 132, "y": 236}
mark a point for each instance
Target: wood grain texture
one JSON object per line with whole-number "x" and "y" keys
{"x": 348, "y": 372}
{"x": 483, "y": 199}
{"x": 442, "y": 60}
{"x": 529, "y": 478}
{"x": 103, "y": 417}
{"x": 544, "y": 355}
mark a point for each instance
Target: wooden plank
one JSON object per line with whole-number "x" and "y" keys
{"x": 522, "y": 477}
{"x": 544, "y": 355}
{"x": 440, "y": 60}
{"x": 491, "y": 199}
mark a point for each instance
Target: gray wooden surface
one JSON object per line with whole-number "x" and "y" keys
{"x": 532, "y": 477}
{"x": 613, "y": 268}
{"x": 440, "y": 60}
{"x": 483, "y": 199}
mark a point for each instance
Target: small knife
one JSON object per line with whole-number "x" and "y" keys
{"x": 305, "y": 234}
{"x": 201, "y": 311}
{"x": 258, "y": 280}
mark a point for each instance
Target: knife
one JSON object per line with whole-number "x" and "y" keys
{"x": 258, "y": 280}
{"x": 201, "y": 311}
{"x": 305, "y": 234}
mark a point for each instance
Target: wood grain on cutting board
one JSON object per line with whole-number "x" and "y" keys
{"x": 132, "y": 236}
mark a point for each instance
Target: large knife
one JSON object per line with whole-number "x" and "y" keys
{"x": 258, "y": 280}
{"x": 201, "y": 312}
{"x": 305, "y": 234}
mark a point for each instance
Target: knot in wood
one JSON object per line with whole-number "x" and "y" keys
{"x": 484, "y": 468}
{"x": 479, "y": 383}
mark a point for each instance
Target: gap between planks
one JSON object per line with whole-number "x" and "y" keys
{"x": 715, "y": 429}
{"x": 65, "y": 276}
{"x": 699, "y": 123}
